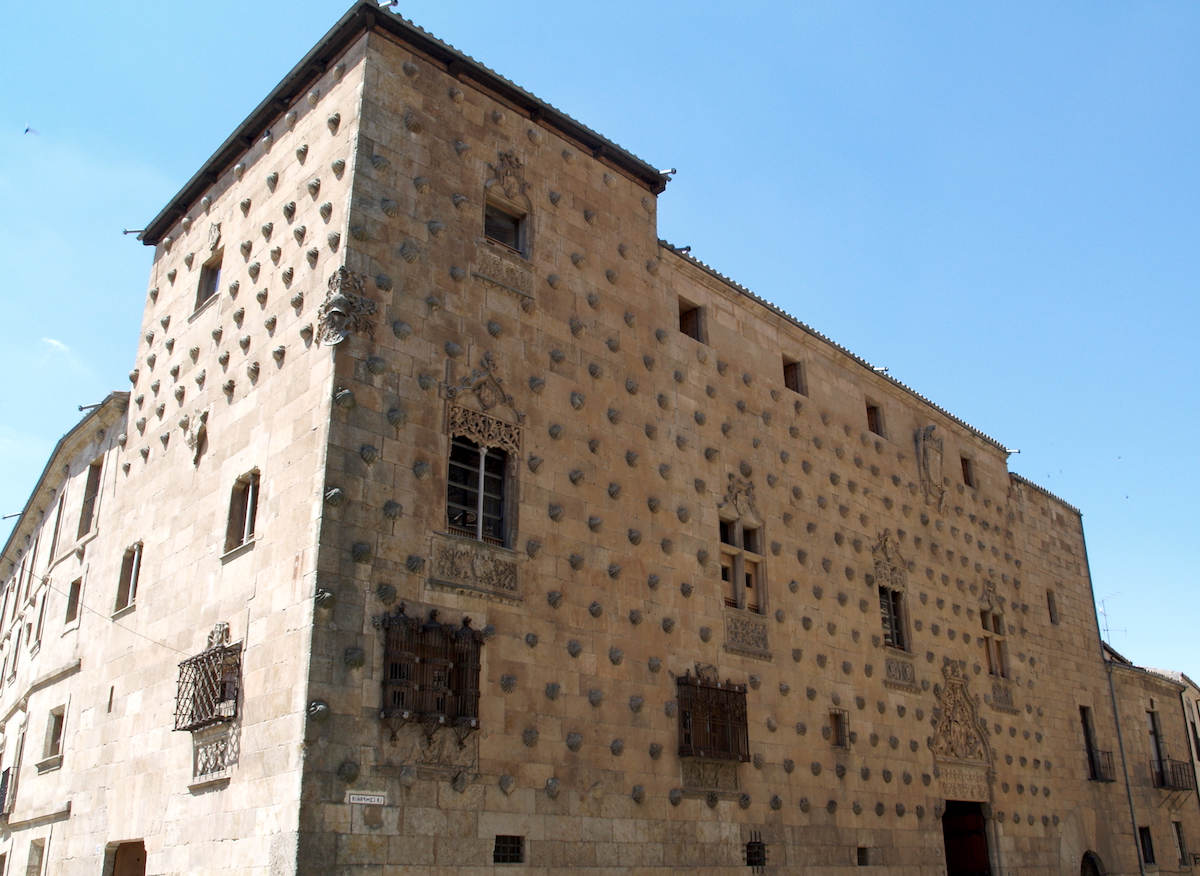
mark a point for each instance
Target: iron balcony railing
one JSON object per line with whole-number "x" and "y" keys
{"x": 1100, "y": 765}
{"x": 1173, "y": 775}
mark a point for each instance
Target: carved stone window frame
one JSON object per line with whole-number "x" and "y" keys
{"x": 494, "y": 434}
{"x": 505, "y": 191}
{"x": 739, "y": 513}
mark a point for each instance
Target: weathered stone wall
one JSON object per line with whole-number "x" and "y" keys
{"x": 244, "y": 364}
{"x": 633, "y": 436}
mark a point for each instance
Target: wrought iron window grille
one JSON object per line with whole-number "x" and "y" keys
{"x": 209, "y": 683}
{"x": 756, "y": 852}
{"x": 431, "y": 674}
{"x": 712, "y": 719}
{"x": 1173, "y": 775}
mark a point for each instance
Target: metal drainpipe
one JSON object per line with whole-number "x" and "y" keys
{"x": 1124, "y": 768}
{"x": 1112, "y": 693}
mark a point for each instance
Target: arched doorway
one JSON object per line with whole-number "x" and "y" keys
{"x": 1090, "y": 866}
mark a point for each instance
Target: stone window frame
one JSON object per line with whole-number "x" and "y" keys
{"x": 210, "y": 280}
{"x": 995, "y": 645}
{"x": 876, "y": 422}
{"x": 794, "y": 376}
{"x": 893, "y": 610}
{"x": 505, "y": 192}
{"x": 735, "y": 557}
{"x": 488, "y": 433}
{"x": 693, "y": 320}
{"x": 127, "y": 583}
{"x": 243, "y": 511}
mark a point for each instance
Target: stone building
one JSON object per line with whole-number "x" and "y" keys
{"x": 454, "y": 521}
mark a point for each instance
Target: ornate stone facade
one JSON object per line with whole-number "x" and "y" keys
{"x": 641, "y": 402}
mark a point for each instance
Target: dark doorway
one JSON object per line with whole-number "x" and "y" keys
{"x": 130, "y": 859}
{"x": 1090, "y": 866}
{"x": 966, "y": 839}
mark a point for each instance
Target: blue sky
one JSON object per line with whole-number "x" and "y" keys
{"x": 999, "y": 202}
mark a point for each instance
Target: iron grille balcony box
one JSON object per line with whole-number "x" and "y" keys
{"x": 712, "y": 719}
{"x": 208, "y": 687}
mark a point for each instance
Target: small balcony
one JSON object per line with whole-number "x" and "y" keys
{"x": 1173, "y": 775}
{"x": 1100, "y": 766}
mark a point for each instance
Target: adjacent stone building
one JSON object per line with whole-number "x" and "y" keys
{"x": 454, "y": 521}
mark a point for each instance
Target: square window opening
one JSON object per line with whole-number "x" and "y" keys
{"x": 793, "y": 376}
{"x": 509, "y": 850}
{"x": 505, "y": 228}
{"x": 131, "y": 567}
{"x": 691, "y": 320}
{"x": 243, "y": 511}
{"x": 756, "y": 852}
{"x": 210, "y": 280}
{"x": 968, "y": 471}
{"x": 875, "y": 418}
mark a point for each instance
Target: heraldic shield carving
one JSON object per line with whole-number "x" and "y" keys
{"x": 346, "y": 310}
{"x": 958, "y": 743}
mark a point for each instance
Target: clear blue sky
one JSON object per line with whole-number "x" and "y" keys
{"x": 999, "y": 202}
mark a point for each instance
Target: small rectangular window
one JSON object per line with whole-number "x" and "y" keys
{"x": 1180, "y": 845}
{"x": 1052, "y": 606}
{"x": 58, "y": 514}
{"x": 968, "y": 472}
{"x": 864, "y": 856}
{"x": 839, "y": 728}
{"x": 90, "y": 491}
{"x": 131, "y": 567}
{"x": 756, "y": 852}
{"x": 1147, "y": 844}
{"x": 73, "y": 600}
{"x": 54, "y": 732}
{"x": 891, "y": 607}
{"x": 210, "y": 280}
{"x": 243, "y": 510}
{"x": 690, "y": 320}
{"x": 37, "y": 851}
{"x": 874, "y": 419}
{"x": 505, "y": 228}
{"x": 793, "y": 377}
{"x": 41, "y": 621}
{"x": 509, "y": 850}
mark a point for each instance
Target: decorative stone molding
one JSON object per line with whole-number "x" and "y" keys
{"x": 746, "y": 633}
{"x": 472, "y": 567}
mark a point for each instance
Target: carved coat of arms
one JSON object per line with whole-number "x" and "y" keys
{"x": 346, "y": 309}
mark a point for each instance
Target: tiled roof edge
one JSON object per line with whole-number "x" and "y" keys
{"x": 116, "y": 397}
{"x": 708, "y": 269}
{"x": 364, "y": 16}
{"x": 1041, "y": 489}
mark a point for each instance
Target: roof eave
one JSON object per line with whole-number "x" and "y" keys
{"x": 363, "y": 17}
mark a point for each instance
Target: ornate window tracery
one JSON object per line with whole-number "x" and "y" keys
{"x": 480, "y": 476}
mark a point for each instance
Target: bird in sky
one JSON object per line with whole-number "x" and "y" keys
{"x": 30, "y": 130}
